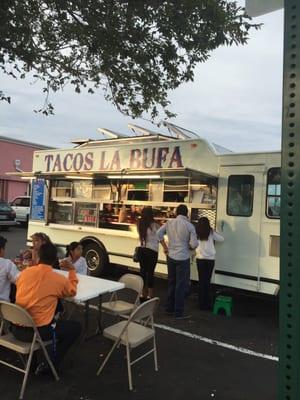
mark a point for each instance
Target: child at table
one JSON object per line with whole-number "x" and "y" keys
{"x": 8, "y": 272}
{"x": 74, "y": 253}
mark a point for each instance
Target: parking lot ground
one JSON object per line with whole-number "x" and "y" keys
{"x": 203, "y": 357}
{"x": 188, "y": 369}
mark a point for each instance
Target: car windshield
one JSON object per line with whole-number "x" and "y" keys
{"x": 4, "y": 206}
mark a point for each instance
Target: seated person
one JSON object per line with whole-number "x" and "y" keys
{"x": 38, "y": 290}
{"x": 8, "y": 272}
{"x": 38, "y": 239}
{"x": 74, "y": 254}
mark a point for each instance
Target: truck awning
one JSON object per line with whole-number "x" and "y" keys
{"x": 162, "y": 173}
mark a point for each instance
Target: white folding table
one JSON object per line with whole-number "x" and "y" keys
{"x": 88, "y": 288}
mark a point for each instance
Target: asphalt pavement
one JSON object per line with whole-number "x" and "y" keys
{"x": 203, "y": 357}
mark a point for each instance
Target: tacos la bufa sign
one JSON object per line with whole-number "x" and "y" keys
{"x": 100, "y": 159}
{"x": 138, "y": 159}
{"x": 190, "y": 154}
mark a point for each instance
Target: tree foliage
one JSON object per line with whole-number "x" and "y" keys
{"x": 135, "y": 50}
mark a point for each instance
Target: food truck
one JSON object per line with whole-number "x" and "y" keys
{"x": 93, "y": 193}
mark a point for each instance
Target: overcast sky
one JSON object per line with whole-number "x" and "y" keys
{"x": 234, "y": 101}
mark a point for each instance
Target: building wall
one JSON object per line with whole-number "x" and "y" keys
{"x": 17, "y": 188}
{"x": 12, "y": 155}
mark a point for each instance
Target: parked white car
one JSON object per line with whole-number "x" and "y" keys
{"x": 21, "y": 205}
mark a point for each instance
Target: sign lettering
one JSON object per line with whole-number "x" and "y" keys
{"x": 114, "y": 160}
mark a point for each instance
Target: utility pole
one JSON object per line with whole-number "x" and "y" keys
{"x": 289, "y": 342}
{"x": 289, "y": 346}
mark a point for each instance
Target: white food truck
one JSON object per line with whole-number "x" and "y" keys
{"x": 94, "y": 192}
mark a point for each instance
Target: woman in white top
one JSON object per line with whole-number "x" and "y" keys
{"x": 205, "y": 257}
{"x": 74, "y": 251}
{"x": 147, "y": 229}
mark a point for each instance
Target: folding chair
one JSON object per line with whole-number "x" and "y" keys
{"x": 119, "y": 307}
{"x": 17, "y": 315}
{"x": 131, "y": 333}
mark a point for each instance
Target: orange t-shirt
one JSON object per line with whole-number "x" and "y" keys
{"x": 38, "y": 289}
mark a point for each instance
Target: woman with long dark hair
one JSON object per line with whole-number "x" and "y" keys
{"x": 32, "y": 255}
{"x": 147, "y": 229}
{"x": 205, "y": 257}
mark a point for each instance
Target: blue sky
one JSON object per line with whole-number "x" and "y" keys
{"x": 234, "y": 101}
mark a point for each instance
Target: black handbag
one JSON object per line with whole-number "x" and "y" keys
{"x": 137, "y": 254}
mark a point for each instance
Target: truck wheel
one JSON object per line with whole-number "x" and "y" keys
{"x": 96, "y": 258}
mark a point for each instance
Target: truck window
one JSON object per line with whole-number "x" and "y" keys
{"x": 60, "y": 212}
{"x": 138, "y": 191}
{"x": 273, "y": 193}
{"x": 176, "y": 191}
{"x": 61, "y": 188}
{"x": 240, "y": 193}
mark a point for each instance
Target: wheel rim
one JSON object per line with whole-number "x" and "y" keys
{"x": 92, "y": 259}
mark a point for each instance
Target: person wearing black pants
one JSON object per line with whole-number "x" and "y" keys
{"x": 62, "y": 335}
{"x": 205, "y": 257}
{"x": 147, "y": 229}
{"x": 205, "y": 269}
{"x": 147, "y": 266}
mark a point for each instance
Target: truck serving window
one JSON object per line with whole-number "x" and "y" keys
{"x": 240, "y": 193}
{"x": 176, "y": 190}
{"x": 273, "y": 193}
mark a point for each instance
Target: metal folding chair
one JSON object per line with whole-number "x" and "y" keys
{"x": 117, "y": 306}
{"x": 17, "y": 315}
{"x": 131, "y": 333}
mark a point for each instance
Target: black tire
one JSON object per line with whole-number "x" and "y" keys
{"x": 5, "y": 228}
{"x": 96, "y": 258}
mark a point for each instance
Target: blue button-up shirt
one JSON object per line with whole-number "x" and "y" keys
{"x": 182, "y": 237}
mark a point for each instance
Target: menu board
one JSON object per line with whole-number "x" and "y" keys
{"x": 38, "y": 200}
{"x": 86, "y": 213}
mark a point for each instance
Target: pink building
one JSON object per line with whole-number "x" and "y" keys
{"x": 15, "y": 156}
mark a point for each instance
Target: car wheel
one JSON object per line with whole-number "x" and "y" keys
{"x": 96, "y": 258}
{"x": 5, "y": 228}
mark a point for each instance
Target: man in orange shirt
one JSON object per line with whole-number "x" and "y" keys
{"x": 38, "y": 290}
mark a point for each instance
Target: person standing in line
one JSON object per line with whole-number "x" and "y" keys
{"x": 205, "y": 258}
{"x": 8, "y": 272}
{"x": 147, "y": 229}
{"x": 182, "y": 239}
{"x": 74, "y": 253}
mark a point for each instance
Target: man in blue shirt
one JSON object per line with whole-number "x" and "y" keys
{"x": 182, "y": 239}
